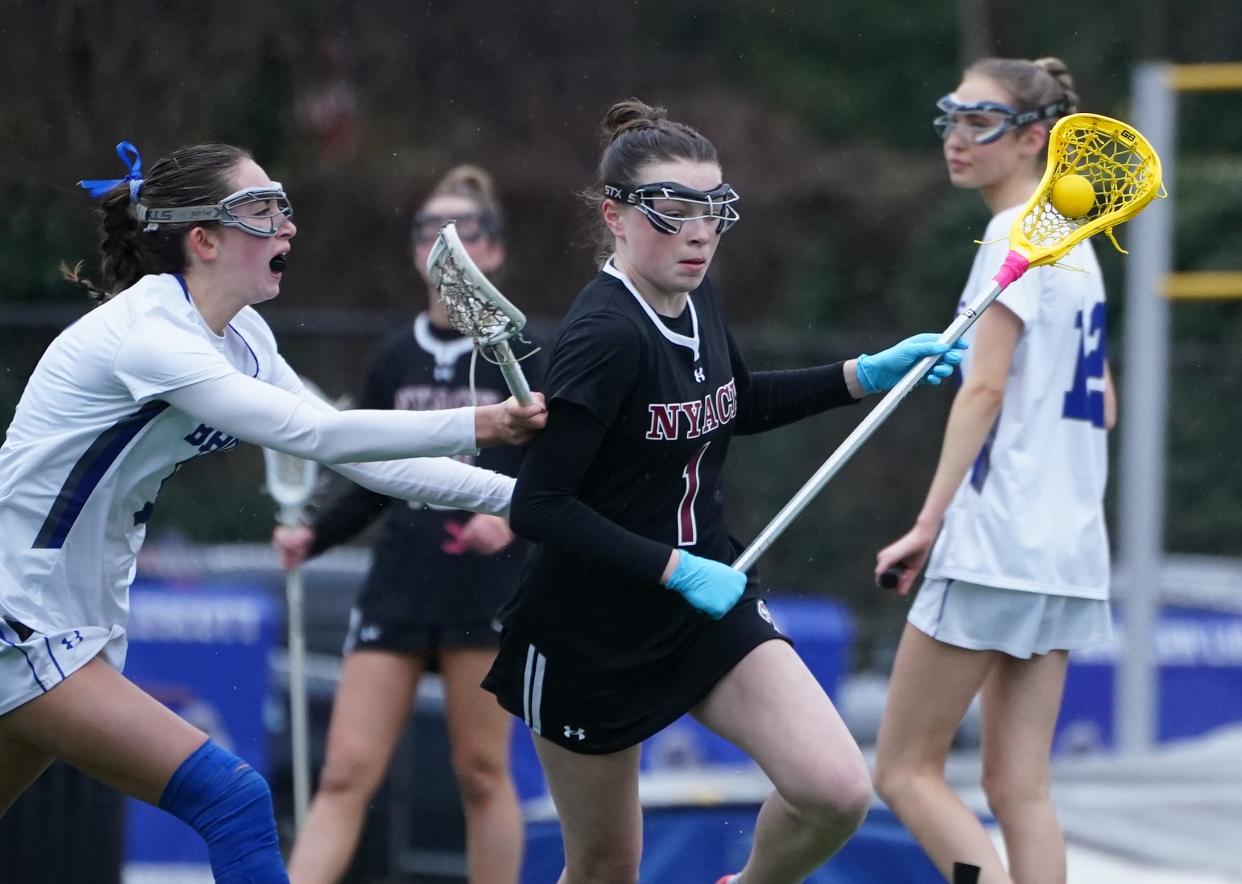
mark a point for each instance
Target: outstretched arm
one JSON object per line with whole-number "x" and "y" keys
{"x": 771, "y": 399}
{"x": 306, "y": 427}
{"x": 440, "y": 481}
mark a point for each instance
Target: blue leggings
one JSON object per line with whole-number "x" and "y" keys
{"x": 223, "y": 799}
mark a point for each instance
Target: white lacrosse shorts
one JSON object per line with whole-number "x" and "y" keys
{"x": 32, "y": 666}
{"x": 1016, "y": 622}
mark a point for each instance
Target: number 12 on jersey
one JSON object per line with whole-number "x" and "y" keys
{"x": 1085, "y": 398}
{"x": 687, "y": 527}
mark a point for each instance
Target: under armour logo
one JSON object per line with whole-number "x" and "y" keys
{"x": 69, "y": 645}
{"x": 574, "y": 732}
{"x": 766, "y": 614}
{"x": 700, "y": 375}
{"x": 369, "y": 633}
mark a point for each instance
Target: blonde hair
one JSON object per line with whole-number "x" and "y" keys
{"x": 472, "y": 183}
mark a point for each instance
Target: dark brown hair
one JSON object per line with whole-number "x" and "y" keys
{"x": 198, "y": 175}
{"x": 635, "y": 134}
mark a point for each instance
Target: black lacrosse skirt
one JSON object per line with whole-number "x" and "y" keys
{"x": 586, "y": 712}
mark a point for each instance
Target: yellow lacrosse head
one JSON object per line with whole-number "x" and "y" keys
{"x": 1121, "y": 168}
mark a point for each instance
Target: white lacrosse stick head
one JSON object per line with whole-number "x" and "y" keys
{"x": 291, "y": 481}
{"x": 475, "y": 307}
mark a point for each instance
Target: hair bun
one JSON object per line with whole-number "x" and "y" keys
{"x": 467, "y": 180}
{"x": 630, "y": 114}
{"x": 1052, "y": 65}
{"x": 1057, "y": 69}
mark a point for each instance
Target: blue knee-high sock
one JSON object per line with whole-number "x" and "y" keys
{"x": 230, "y": 805}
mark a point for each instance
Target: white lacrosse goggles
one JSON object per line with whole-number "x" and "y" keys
{"x": 668, "y": 205}
{"x": 983, "y": 122}
{"x": 259, "y": 211}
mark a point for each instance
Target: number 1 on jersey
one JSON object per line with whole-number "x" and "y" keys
{"x": 687, "y": 527}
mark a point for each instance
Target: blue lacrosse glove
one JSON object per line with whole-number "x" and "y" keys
{"x": 708, "y": 585}
{"x": 883, "y": 370}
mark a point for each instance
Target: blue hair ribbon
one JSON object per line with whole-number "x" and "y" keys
{"x": 129, "y": 155}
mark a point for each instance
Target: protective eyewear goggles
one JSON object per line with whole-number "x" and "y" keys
{"x": 471, "y": 226}
{"x": 259, "y": 211}
{"x": 668, "y": 205}
{"x": 983, "y": 122}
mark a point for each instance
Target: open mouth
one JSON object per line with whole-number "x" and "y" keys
{"x": 277, "y": 264}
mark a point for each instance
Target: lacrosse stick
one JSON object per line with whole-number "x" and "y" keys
{"x": 476, "y": 308}
{"x": 291, "y": 482}
{"x": 1123, "y": 174}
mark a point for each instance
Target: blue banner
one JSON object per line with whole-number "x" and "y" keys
{"x": 202, "y": 650}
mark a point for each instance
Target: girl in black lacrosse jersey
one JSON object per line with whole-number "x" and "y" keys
{"x": 436, "y": 582}
{"x": 628, "y": 616}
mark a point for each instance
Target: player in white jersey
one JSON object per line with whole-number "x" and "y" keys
{"x": 1018, "y": 575}
{"x": 172, "y": 364}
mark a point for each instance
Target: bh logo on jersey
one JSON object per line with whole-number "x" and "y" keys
{"x": 207, "y": 440}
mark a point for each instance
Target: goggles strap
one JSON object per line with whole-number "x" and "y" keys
{"x": 1047, "y": 112}
{"x": 718, "y": 200}
{"x": 222, "y": 212}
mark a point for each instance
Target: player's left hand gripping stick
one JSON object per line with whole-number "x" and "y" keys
{"x": 712, "y": 587}
{"x": 883, "y": 370}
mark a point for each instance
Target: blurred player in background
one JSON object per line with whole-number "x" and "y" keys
{"x": 173, "y": 363}
{"x": 629, "y": 615}
{"x": 437, "y": 581}
{"x": 1019, "y": 572}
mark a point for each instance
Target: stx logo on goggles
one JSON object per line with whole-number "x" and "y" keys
{"x": 668, "y": 205}
{"x": 612, "y": 192}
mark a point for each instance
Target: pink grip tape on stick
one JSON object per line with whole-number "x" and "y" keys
{"x": 1014, "y": 265}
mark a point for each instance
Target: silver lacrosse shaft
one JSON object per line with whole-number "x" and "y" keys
{"x": 861, "y": 434}
{"x": 502, "y": 354}
{"x": 298, "y": 721}
{"x": 290, "y": 515}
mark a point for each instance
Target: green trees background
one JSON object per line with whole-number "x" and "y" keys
{"x": 821, "y": 113}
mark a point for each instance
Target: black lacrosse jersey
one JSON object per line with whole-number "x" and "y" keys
{"x": 420, "y": 574}
{"x": 669, "y": 400}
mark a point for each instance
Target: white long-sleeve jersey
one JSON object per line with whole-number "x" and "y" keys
{"x": 139, "y": 386}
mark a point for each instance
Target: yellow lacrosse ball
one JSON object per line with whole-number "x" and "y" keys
{"x": 1073, "y": 196}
